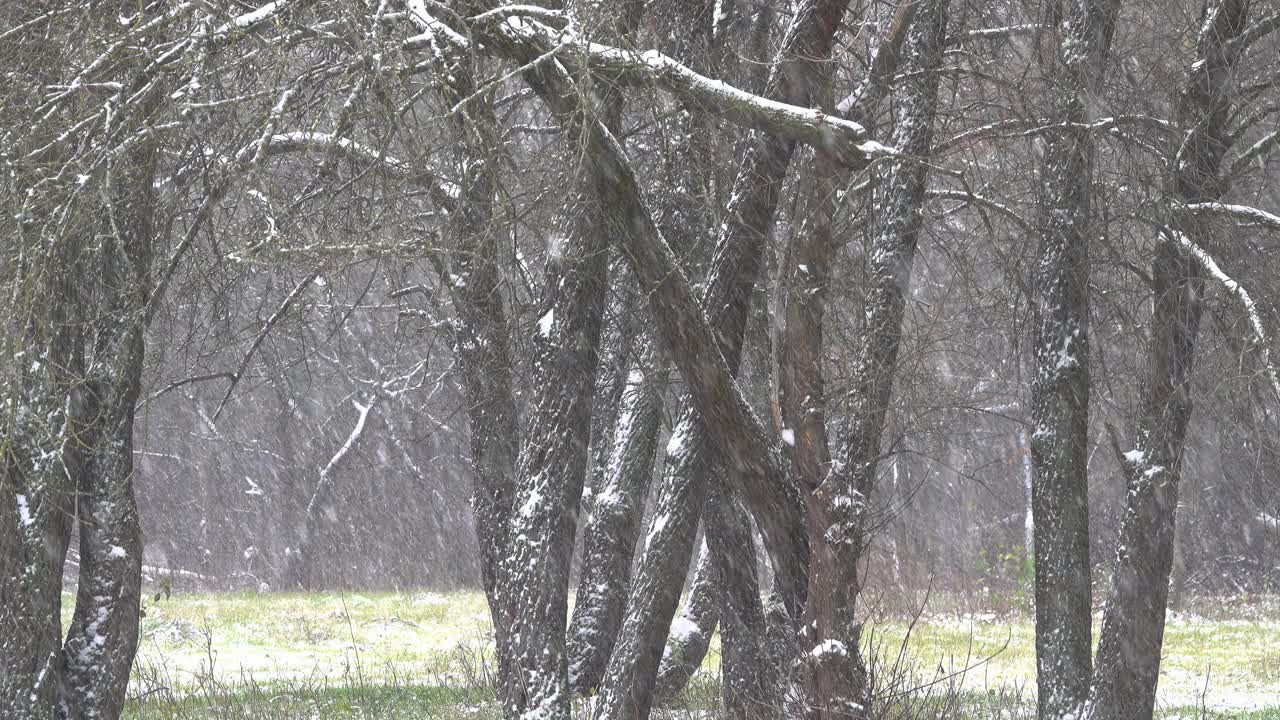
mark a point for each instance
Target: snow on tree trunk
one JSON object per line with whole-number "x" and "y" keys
{"x": 98, "y": 652}
{"x": 40, "y": 458}
{"x": 691, "y": 630}
{"x": 611, "y": 538}
{"x": 1128, "y": 661}
{"x": 839, "y": 683}
{"x": 551, "y": 468}
{"x": 614, "y": 525}
{"x": 552, "y": 464}
{"x": 626, "y": 692}
{"x": 1060, "y": 382}
{"x": 628, "y": 685}
{"x": 617, "y": 355}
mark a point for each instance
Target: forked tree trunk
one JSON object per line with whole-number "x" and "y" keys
{"x": 40, "y": 461}
{"x": 1128, "y": 663}
{"x": 552, "y": 465}
{"x": 103, "y": 637}
{"x": 73, "y": 460}
{"x": 628, "y": 685}
{"x": 1060, "y": 384}
{"x": 609, "y": 545}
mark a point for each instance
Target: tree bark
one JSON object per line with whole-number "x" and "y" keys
{"x": 706, "y": 423}
{"x": 98, "y": 652}
{"x": 627, "y": 688}
{"x": 39, "y": 460}
{"x": 749, "y": 676}
{"x": 609, "y": 547}
{"x": 1128, "y": 663}
{"x": 1060, "y": 384}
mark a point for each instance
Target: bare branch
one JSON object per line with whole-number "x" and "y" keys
{"x": 262, "y": 335}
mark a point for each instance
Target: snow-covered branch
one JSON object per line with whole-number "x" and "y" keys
{"x": 1266, "y": 144}
{"x": 1251, "y": 310}
{"x": 356, "y": 431}
{"x": 1242, "y": 213}
{"x": 997, "y": 33}
{"x": 1023, "y": 127}
{"x": 522, "y": 37}
{"x": 252, "y": 19}
{"x": 965, "y": 196}
{"x": 845, "y": 139}
{"x": 443, "y": 192}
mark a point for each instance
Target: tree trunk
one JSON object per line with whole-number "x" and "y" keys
{"x": 552, "y": 463}
{"x": 839, "y": 504}
{"x": 38, "y": 461}
{"x": 750, "y": 678}
{"x": 1060, "y": 384}
{"x": 98, "y": 652}
{"x": 627, "y": 688}
{"x": 1128, "y": 662}
{"x": 611, "y": 533}
{"x": 691, "y": 631}
{"x": 632, "y": 672}
{"x": 609, "y": 546}
{"x": 479, "y": 337}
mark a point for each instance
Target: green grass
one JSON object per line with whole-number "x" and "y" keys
{"x": 352, "y": 656}
{"x": 1239, "y": 659}
{"x": 292, "y": 636}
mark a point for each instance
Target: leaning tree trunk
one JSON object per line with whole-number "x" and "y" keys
{"x": 838, "y": 506}
{"x": 612, "y": 532}
{"x": 689, "y": 340}
{"x": 632, "y": 671}
{"x": 550, "y": 471}
{"x": 1128, "y": 662}
{"x": 1060, "y": 384}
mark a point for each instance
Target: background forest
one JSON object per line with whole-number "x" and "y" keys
{"x": 651, "y": 319}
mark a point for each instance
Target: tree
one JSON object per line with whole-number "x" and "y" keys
{"x": 1060, "y": 386}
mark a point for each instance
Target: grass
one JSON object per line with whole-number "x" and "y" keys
{"x": 321, "y": 656}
